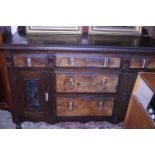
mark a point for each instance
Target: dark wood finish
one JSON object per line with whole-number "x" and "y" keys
{"x": 137, "y": 117}
{"x": 84, "y": 61}
{"x": 84, "y": 107}
{"x": 5, "y": 93}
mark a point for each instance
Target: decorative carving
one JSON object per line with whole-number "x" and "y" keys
{"x": 32, "y": 95}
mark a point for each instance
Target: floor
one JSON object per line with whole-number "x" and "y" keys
{"x": 6, "y": 123}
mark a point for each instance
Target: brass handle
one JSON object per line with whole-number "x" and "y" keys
{"x": 100, "y": 106}
{"x": 106, "y": 62}
{"x": 103, "y": 82}
{"x": 28, "y": 62}
{"x": 144, "y": 63}
{"x": 71, "y": 62}
{"x": 70, "y": 106}
{"x": 71, "y": 83}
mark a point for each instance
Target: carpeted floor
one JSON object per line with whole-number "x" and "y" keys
{"x": 6, "y": 123}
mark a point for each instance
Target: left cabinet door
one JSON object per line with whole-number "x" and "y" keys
{"x": 32, "y": 94}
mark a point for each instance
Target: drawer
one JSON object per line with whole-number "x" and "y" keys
{"x": 142, "y": 62}
{"x": 21, "y": 60}
{"x": 105, "y": 61}
{"x": 87, "y": 82}
{"x": 84, "y": 107}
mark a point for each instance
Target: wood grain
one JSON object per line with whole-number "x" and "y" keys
{"x": 36, "y": 61}
{"x": 87, "y": 83}
{"x": 138, "y": 63}
{"x": 137, "y": 117}
{"x": 84, "y": 107}
{"x": 96, "y": 61}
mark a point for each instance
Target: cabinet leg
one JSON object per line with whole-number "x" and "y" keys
{"x": 18, "y": 126}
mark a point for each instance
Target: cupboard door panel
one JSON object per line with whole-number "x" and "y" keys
{"x": 32, "y": 89}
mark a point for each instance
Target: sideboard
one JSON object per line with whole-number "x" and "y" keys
{"x": 74, "y": 78}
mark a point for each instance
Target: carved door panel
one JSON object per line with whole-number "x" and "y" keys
{"x": 32, "y": 94}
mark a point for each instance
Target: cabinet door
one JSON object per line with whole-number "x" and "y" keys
{"x": 32, "y": 94}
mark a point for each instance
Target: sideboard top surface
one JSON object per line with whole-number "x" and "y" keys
{"x": 78, "y": 42}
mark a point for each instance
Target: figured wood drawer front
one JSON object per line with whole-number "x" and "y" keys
{"x": 86, "y": 83}
{"x": 84, "y": 107}
{"x": 88, "y": 61}
{"x": 142, "y": 63}
{"x": 29, "y": 60}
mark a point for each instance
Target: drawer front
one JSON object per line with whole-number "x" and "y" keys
{"x": 88, "y": 61}
{"x": 142, "y": 63}
{"x": 86, "y": 83}
{"x": 29, "y": 60}
{"x": 84, "y": 107}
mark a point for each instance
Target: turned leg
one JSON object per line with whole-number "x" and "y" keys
{"x": 18, "y": 126}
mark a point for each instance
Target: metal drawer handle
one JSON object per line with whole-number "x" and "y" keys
{"x": 100, "y": 106}
{"x": 70, "y": 106}
{"x": 28, "y": 62}
{"x": 71, "y": 62}
{"x": 103, "y": 82}
{"x": 71, "y": 83}
{"x": 106, "y": 62}
{"x": 144, "y": 63}
{"x": 46, "y": 97}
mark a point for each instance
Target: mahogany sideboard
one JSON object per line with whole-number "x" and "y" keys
{"x": 74, "y": 78}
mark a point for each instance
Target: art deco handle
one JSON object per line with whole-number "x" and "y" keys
{"x": 28, "y": 62}
{"x": 106, "y": 61}
{"x": 71, "y": 62}
{"x": 70, "y": 106}
{"x": 71, "y": 83}
{"x": 144, "y": 63}
{"x": 103, "y": 82}
{"x": 46, "y": 97}
{"x": 100, "y": 106}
